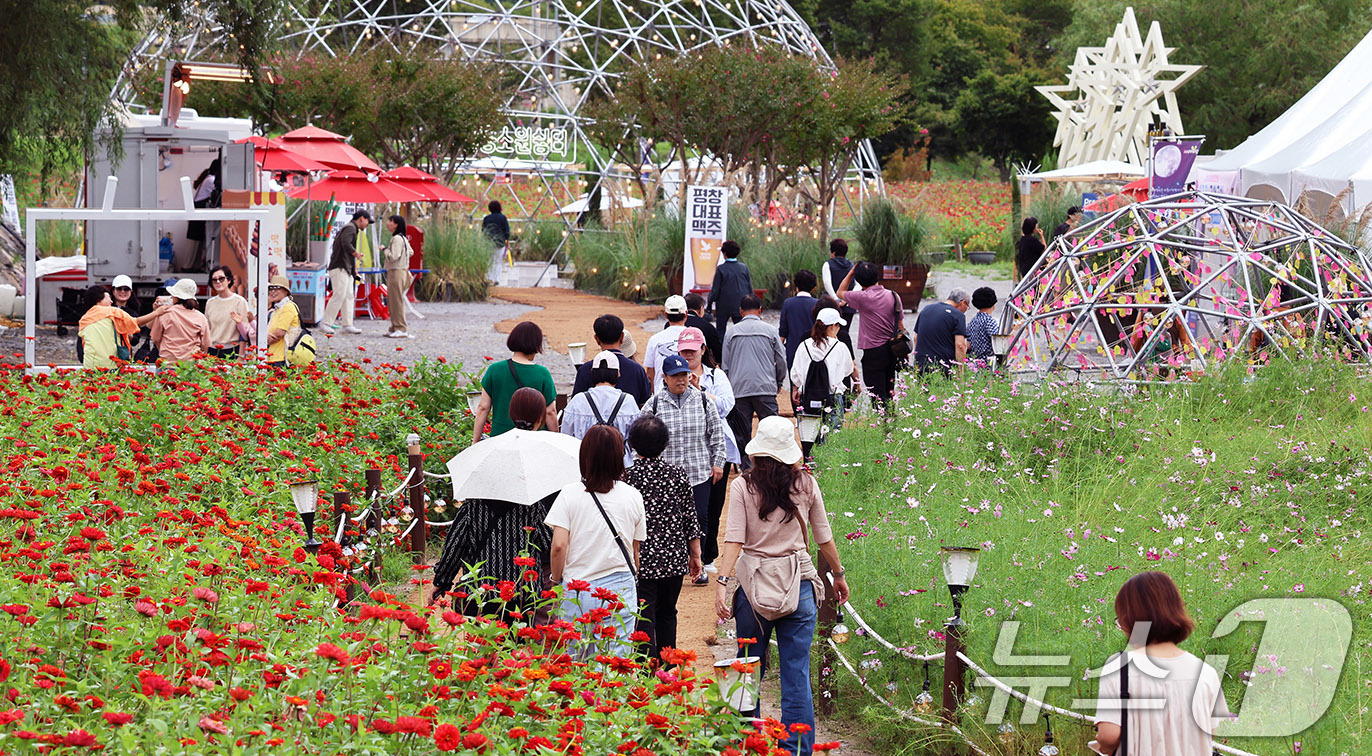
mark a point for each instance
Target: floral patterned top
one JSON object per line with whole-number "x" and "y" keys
{"x": 671, "y": 518}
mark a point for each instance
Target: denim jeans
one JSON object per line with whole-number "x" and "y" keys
{"x": 794, "y": 634}
{"x": 577, "y": 603}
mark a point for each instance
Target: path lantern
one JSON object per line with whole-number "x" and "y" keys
{"x": 959, "y": 567}
{"x": 305, "y": 496}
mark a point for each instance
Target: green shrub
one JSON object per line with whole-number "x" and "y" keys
{"x": 538, "y": 240}
{"x": 457, "y": 256}
{"x": 888, "y": 237}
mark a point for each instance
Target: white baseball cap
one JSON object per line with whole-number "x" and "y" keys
{"x": 675, "y": 305}
{"x": 829, "y": 316}
{"x": 606, "y": 359}
{"x": 122, "y": 281}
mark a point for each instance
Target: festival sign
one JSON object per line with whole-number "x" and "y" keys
{"x": 707, "y": 217}
{"x": 1170, "y": 164}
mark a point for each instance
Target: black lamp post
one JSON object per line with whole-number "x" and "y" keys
{"x": 305, "y": 496}
{"x": 959, "y": 567}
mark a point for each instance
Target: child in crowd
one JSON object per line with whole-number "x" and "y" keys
{"x": 981, "y": 327}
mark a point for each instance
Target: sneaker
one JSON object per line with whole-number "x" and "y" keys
{"x": 351, "y": 329}
{"x": 397, "y": 335}
{"x": 711, "y": 568}
{"x": 702, "y": 580}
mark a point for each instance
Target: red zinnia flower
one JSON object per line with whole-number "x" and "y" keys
{"x": 117, "y": 718}
{"x": 448, "y": 737}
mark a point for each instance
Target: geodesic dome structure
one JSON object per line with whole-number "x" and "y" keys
{"x": 1170, "y": 287}
{"x": 562, "y": 52}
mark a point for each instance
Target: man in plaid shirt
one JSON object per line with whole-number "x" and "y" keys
{"x": 696, "y": 443}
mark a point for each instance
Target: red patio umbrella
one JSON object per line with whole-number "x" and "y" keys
{"x": 1137, "y": 189}
{"x": 424, "y": 183}
{"x": 355, "y": 186}
{"x": 328, "y": 148}
{"x": 271, "y": 155}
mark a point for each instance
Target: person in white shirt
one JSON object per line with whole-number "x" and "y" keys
{"x": 602, "y": 404}
{"x": 663, "y": 343}
{"x": 1175, "y": 699}
{"x": 598, "y": 527}
{"x": 819, "y": 413}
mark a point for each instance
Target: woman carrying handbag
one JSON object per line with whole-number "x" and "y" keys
{"x": 767, "y": 581}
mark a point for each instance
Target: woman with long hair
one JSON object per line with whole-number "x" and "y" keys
{"x": 1030, "y": 246}
{"x": 397, "y": 275}
{"x": 599, "y": 525}
{"x": 228, "y": 314}
{"x": 818, "y": 407}
{"x": 207, "y": 186}
{"x": 494, "y": 534}
{"x": 767, "y": 581}
{"x": 1151, "y": 614}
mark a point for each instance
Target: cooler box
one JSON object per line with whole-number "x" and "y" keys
{"x": 308, "y": 287}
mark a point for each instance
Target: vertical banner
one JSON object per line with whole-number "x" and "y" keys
{"x": 241, "y": 246}
{"x": 707, "y": 220}
{"x": 9, "y": 206}
{"x": 1170, "y": 164}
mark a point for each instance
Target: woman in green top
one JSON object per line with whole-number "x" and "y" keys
{"x": 504, "y": 378}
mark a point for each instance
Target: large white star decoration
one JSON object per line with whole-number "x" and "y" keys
{"x": 1114, "y": 93}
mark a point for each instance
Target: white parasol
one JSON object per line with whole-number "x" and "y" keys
{"x": 519, "y": 466}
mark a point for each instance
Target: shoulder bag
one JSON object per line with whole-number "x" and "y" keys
{"x": 899, "y": 342}
{"x": 772, "y": 584}
{"x": 628, "y": 560}
{"x": 1123, "y": 749}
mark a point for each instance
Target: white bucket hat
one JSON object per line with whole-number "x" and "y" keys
{"x": 184, "y": 288}
{"x": 775, "y": 438}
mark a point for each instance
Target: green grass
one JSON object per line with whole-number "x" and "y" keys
{"x": 1069, "y": 490}
{"x": 998, "y": 270}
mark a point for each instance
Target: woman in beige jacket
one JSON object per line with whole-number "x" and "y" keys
{"x": 397, "y": 275}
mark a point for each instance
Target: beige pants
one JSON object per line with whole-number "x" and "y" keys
{"x": 343, "y": 300}
{"x": 397, "y": 283}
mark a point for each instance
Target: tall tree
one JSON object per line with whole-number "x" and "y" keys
{"x": 59, "y": 60}
{"x": 1001, "y": 117}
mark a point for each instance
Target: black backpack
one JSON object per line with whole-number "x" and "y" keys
{"x": 817, "y": 391}
{"x": 613, "y": 413}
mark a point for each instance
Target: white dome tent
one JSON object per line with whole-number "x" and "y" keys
{"x": 1170, "y": 288}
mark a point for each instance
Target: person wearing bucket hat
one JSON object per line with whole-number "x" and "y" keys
{"x": 767, "y": 581}
{"x": 817, "y": 379}
{"x": 284, "y": 317}
{"x": 183, "y": 331}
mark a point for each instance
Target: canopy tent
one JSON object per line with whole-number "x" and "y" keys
{"x": 1342, "y": 131}
{"x": 1347, "y": 172}
{"x": 1347, "y": 82}
{"x": 607, "y": 202}
{"x": 355, "y": 186}
{"x": 328, "y": 148}
{"x": 1096, "y": 170}
{"x": 424, "y": 183}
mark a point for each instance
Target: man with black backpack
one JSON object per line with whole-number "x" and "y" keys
{"x": 602, "y": 404}
{"x": 821, "y": 364}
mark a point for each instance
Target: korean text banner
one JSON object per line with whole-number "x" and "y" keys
{"x": 707, "y": 216}
{"x": 1171, "y": 164}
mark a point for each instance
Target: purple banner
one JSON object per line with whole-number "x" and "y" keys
{"x": 1170, "y": 166}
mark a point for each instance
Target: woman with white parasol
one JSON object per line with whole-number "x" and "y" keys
{"x": 498, "y": 537}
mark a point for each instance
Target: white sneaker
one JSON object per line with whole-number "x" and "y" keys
{"x": 351, "y": 329}
{"x": 397, "y": 335}
{"x": 711, "y": 568}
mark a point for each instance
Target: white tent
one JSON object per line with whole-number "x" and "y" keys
{"x": 1348, "y": 169}
{"x": 607, "y": 201}
{"x": 1096, "y": 170}
{"x": 1348, "y": 81}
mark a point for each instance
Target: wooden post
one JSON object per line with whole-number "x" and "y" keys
{"x": 373, "y": 524}
{"x": 419, "y": 536}
{"x": 953, "y": 684}
{"x": 828, "y": 616}
{"x": 342, "y": 506}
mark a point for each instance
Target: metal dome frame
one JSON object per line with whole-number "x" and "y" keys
{"x": 1167, "y": 288}
{"x": 561, "y": 50}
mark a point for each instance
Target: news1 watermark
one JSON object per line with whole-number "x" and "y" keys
{"x": 1291, "y": 683}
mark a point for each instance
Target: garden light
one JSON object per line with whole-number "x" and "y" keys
{"x": 473, "y": 401}
{"x": 839, "y": 632}
{"x": 305, "y": 496}
{"x": 1048, "y": 748}
{"x": 959, "y": 567}
{"x": 925, "y": 700}
{"x": 737, "y": 681}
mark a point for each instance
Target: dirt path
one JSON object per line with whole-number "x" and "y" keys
{"x": 567, "y": 315}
